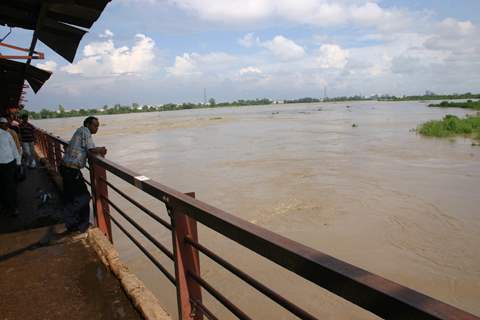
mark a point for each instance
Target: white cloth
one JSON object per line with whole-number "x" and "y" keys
{"x": 8, "y": 148}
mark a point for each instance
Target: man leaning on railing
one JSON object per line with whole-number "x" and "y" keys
{"x": 75, "y": 192}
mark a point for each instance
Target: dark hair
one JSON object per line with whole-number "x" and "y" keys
{"x": 88, "y": 120}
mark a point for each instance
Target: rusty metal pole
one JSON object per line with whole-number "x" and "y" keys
{"x": 99, "y": 187}
{"x": 186, "y": 260}
{"x": 44, "y": 145}
{"x": 58, "y": 156}
{"x": 50, "y": 155}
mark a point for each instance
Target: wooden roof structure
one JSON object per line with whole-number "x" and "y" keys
{"x": 59, "y": 24}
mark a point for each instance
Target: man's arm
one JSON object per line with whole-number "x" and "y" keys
{"x": 102, "y": 151}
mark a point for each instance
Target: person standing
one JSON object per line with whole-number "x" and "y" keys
{"x": 27, "y": 131}
{"x": 14, "y": 134}
{"x": 9, "y": 160}
{"x": 75, "y": 192}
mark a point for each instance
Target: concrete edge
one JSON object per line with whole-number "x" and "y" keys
{"x": 142, "y": 298}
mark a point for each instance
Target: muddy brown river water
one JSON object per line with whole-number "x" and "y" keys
{"x": 376, "y": 195}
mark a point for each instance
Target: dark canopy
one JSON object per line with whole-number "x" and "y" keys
{"x": 60, "y": 24}
{"x": 12, "y": 76}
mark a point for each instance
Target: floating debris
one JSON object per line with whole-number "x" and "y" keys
{"x": 216, "y": 118}
{"x": 354, "y": 125}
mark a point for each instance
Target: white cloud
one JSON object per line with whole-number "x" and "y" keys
{"x": 104, "y": 59}
{"x": 332, "y": 56}
{"x": 106, "y": 34}
{"x": 194, "y": 64}
{"x": 249, "y": 70}
{"x": 284, "y": 48}
{"x": 453, "y": 27}
{"x": 48, "y": 65}
{"x": 312, "y": 12}
{"x": 98, "y": 48}
{"x": 184, "y": 66}
{"x": 249, "y": 40}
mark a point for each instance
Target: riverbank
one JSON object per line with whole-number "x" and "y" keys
{"x": 469, "y": 104}
{"x": 451, "y": 126}
{"x": 136, "y": 108}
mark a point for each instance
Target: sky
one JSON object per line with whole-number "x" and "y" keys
{"x": 161, "y": 51}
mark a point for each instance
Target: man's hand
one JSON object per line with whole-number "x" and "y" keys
{"x": 102, "y": 151}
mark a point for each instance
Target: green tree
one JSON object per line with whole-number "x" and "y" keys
{"x": 211, "y": 101}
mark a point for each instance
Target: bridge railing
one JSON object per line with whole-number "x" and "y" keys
{"x": 378, "y": 295}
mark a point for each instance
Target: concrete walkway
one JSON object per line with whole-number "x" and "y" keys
{"x": 47, "y": 274}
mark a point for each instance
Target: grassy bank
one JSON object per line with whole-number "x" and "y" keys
{"x": 451, "y": 126}
{"x": 470, "y": 104}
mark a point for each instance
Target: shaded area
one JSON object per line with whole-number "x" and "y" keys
{"x": 48, "y": 275}
{"x": 39, "y": 204}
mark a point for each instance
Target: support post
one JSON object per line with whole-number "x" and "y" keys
{"x": 58, "y": 156}
{"x": 186, "y": 260}
{"x": 98, "y": 178}
{"x": 50, "y": 151}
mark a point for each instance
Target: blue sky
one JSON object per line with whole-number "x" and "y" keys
{"x": 159, "y": 51}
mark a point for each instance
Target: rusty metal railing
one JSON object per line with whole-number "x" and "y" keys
{"x": 380, "y": 296}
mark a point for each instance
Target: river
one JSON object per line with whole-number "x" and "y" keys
{"x": 354, "y": 182}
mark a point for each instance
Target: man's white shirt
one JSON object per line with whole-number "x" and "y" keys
{"x": 8, "y": 148}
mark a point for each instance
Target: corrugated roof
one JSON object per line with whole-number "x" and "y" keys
{"x": 12, "y": 77}
{"x": 60, "y": 24}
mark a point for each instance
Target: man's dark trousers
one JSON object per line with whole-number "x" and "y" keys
{"x": 76, "y": 199}
{"x": 8, "y": 195}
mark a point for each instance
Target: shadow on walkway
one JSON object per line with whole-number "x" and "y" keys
{"x": 39, "y": 203}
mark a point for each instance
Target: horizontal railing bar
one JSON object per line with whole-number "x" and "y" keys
{"x": 145, "y": 251}
{"x": 204, "y": 309}
{"x": 382, "y": 297}
{"x": 299, "y": 312}
{"x": 142, "y": 230}
{"x": 138, "y": 205}
{"x": 217, "y": 295}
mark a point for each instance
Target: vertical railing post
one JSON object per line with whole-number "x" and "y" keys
{"x": 44, "y": 145}
{"x": 58, "y": 155}
{"x": 50, "y": 155}
{"x": 186, "y": 260}
{"x": 99, "y": 187}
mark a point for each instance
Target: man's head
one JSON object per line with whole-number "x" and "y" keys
{"x": 25, "y": 117}
{"x": 92, "y": 124}
{"x": 3, "y": 123}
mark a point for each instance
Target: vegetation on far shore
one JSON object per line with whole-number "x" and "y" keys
{"x": 451, "y": 126}
{"x": 469, "y": 104}
{"x": 61, "y": 112}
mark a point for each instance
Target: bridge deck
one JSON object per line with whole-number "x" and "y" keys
{"x": 47, "y": 274}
